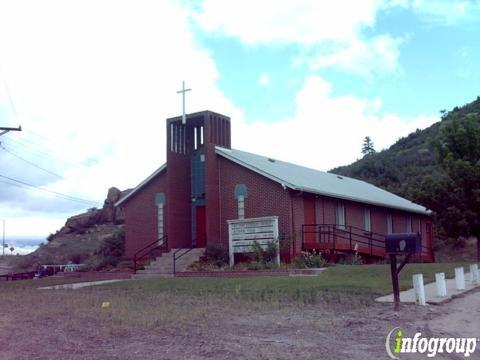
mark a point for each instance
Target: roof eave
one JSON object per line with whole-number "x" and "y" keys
{"x": 141, "y": 185}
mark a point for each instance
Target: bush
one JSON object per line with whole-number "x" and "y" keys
{"x": 259, "y": 255}
{"x": 309, "y": 260}
{"x": 113, "y": 246}
{"x": 216, "y": 254}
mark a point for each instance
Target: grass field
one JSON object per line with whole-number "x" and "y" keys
{"x": 262, "y": 317}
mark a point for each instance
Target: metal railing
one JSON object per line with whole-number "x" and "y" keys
{"x": 347, "y": 238}
{"x": 175, "y": 257}
{"x": 18, "y": 276}
{"x": 158, "y": 246}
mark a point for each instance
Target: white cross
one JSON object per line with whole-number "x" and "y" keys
{"x": 183, "y": 91}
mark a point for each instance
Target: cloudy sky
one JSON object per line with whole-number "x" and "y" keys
{"x": 92, "y": 82}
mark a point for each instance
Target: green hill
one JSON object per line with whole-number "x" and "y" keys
{"x": 404, "y": 166}
{"x": 438, "y": 167}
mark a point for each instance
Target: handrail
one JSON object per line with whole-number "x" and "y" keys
{"x": 175, "y": 258}
{"x": 148, "y": 250}
{"x": 349, "y": 235}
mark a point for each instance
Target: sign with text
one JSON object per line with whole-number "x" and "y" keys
{"x": 243, "y": 233}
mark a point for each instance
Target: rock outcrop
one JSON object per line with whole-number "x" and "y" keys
{"x": 108, "y": 214}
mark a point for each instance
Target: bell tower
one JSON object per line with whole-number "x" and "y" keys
{"x": 192, "y": 178}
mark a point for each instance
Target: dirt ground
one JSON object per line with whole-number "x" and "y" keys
{"x": 293, "y": 332}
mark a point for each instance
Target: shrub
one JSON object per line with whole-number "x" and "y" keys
{"x": 309, "y": 260}
{"x": 259, "y": 255}
{"x": 216, "y": 254}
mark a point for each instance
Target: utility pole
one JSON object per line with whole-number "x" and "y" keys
{"x": 4, "y": 130}
{"x": 3, "y": 243}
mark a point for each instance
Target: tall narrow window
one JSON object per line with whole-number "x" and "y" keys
{"x": 161, "y": 230}
{"x": 389, "y": 223}
{"x": 367, "y": 224}
{"x": 241, "y": 194}
{"x": 340, "y": 218}
{"x": 408, "y": 224}
{"x": 160, "y": 202}
{"x": 241, "y": 207}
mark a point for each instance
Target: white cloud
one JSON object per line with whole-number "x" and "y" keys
{"x": 330, "y": 33}
{"x": 326, "y": 131}
{"x": 264, "y": 79}
{"x": 446, "y": 12}
{"x": 379, "y": 54}
{"x": 282, "y": 21}
{"x": 93, "y": 83}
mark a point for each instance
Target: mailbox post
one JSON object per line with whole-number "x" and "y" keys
{"x": 400, "y": 244}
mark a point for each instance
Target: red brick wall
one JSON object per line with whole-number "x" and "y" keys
{"x": 141, "y": 226}
{"x": 265, "y": 197}
{"x": 179, "y": 201}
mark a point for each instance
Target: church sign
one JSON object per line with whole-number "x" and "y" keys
{"x": 243, "y": 233}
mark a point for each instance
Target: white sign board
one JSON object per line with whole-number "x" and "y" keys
{"x": 243, "y": 233}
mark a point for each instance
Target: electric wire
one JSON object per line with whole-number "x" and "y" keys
{"x": 64, "y": 196}
{"x": 29, "y": 162}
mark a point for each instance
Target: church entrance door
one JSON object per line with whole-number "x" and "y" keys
{"x": 201, "y": 227}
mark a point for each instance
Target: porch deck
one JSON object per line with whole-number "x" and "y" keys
{"x": 350, "y": 239}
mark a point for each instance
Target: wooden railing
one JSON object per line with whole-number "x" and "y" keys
{"x": 149, "y": 251}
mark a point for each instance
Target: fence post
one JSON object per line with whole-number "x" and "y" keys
{"x": 419, "y": 289}
{"x": 474, "y": 274}
{"x": 441, "y": 284}
{"x": 459, "y": 279}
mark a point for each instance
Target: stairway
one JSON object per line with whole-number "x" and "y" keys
{"x": 162, "y": 266}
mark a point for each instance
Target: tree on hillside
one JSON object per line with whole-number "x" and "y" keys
{"x": 367, "y": 147}
{"x": 455, "y": 196}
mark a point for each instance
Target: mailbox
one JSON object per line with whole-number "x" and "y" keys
{"x": 403, "y": 243}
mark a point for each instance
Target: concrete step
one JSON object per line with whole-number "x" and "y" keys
{"x": 164, "y": 264}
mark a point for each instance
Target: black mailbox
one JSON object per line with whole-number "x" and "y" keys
{"x": 403, "y": 243}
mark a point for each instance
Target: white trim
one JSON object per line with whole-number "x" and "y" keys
{"x": 142, "y": 184}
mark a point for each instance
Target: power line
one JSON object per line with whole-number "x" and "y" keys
{"x": 29, "y": 162}
{"x": 65, "y": 196}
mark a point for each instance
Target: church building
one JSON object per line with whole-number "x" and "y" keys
{"x": 205, "y": 183}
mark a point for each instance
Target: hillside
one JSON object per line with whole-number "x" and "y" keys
{"x": 95, "y": 238}
{"x": 407, "y": 163}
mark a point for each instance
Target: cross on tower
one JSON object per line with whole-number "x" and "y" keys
{"x": 183, "y": 91}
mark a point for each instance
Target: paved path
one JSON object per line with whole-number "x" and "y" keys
{"x": 80, "y": 284}
{"x": 408, "y": 296}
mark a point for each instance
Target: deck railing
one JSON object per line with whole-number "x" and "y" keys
{"x": 346, "y": 238}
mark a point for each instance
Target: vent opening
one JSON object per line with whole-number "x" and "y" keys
{"x": 271, "y": 160}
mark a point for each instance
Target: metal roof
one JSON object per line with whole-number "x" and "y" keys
{"x": 318, "y": 182}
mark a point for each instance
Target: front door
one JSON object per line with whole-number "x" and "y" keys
{"x": 201, "y": 219}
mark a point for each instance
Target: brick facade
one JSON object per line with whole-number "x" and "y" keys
{"x": 141, "y": 215}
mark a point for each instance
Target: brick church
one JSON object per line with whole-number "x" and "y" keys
{"x": 205, "y": 183}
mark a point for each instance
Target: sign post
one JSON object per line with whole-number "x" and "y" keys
{"x": 244, "y": 233}
{"x": 400, "y": 244}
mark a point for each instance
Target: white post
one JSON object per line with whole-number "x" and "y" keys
{"x": 441, "y": 284}
{"x": 277, "y": 240}
{"x": 474, "y": 274}
{"x": 230, "y": 246}
{"x": 459, "y": 279}
{"x": 419, "y": 289}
